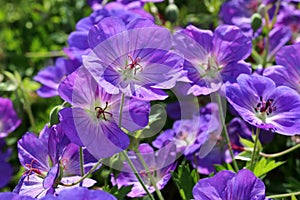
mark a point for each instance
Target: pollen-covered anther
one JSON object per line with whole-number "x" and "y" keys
{"x": 135, "y": 64}
{"x": 265, "y": 106}
{"x": 100, "y": 112}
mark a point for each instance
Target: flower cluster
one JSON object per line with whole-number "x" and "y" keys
{"x": 120, "y": 63}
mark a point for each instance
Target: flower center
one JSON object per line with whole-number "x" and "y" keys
{"x": 210, "y": 69}
{"x": 134, "y": 65}
{"x": 265, "y": 107}
{"x": 132, "y": 68}
{"x": 31, "y": 169}
{"x": 101, "y": 112}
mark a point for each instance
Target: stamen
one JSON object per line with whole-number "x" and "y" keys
{"x": 134, "y": 64}
{"x": 265, "y": 106}
{"x": 102, "y": 113}
{"x": 31, "y": 169}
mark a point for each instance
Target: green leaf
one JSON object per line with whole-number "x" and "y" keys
{"x": 264, "y": 166}
{"x": 185, "y": 180}
{"x": 246, "y": 143}
{"x": 220, "y": 168}
{"x": 120, "y": 193}
{"x": 226, "y": 166}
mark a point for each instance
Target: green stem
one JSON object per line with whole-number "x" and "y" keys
{"x": 81, "y": 161}
{"x": 124, "y": 153}
{"x": 253, "y": 157}
{"x": 153, "y": 182}
{"x": 235, "y": 165}
{"x": 283, "y": 195}
{"x": 83, "y": 177}
{"x": 137, "y": 174}
{"x": 280, "y": 153}
{"x": 121, "y": 110}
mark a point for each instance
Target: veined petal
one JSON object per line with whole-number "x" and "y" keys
{"x": 101, "y": 138}
{"x": 33, "y": 152}
{"x": 230, "y": 44}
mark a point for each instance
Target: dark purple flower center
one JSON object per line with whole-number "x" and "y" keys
{"x": 265, "y": 106}
{"x": 101, "y": 112}
{"x": 134, "y": 65}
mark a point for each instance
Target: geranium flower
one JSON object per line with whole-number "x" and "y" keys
{"x": 188, "y": 139}
{"x": 73, "y": 193}
{"x": 9, "y": 120}
{"x": 227, "y": 185}
{"x": 92, "y": 120}
{"x": 212, "y": 59}
{"x": 51, "y": 76}
{"x": 219, "y": 154}
{"x": 287, "y": 72}
{"x": 50, "y": 162}
{"x": 133, "y": 59}
{"x": 160, "y": 164}
{"x": 262, "y": 104}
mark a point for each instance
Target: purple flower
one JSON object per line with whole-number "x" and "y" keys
{"x": 290, "y": 17}
{"x": 6, "y": 169}
{"x": 78, "y": 39}
{"x": 227, "y": 185}
{"x": 212, "y": 59}
{"x": 82, "y": 193}
{"x": 50, "y": 161}
{"x": 160, "y": 164}
{"x": 92, "y": 120}
{"x": 185, "y": 137}
{"x": 51, "y": 76}
{"x": 219, "y": 154}
{"x": 262, "y": 104}
{"x": 72, "y": 193}
{"x": 133, "y": 59}
{"x": 9, "y": 120}
{"x": 287, "y": 72}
